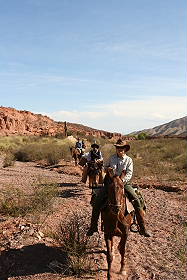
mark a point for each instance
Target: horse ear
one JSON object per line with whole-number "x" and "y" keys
{"x": 110, "y": 172}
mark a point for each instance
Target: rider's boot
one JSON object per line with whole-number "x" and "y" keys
{"x": 141, "y": 223}
{"x": 94, "y": 221}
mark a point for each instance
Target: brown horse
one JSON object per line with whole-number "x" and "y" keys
{"x": 76, "y": 154}
{"x": 114, "y": 221}
{"x": 94, "y": 173}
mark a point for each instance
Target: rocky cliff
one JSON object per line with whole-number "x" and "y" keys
{"x": 16, "y": 122}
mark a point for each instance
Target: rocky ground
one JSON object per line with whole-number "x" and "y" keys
{"x": 28, "y": 251}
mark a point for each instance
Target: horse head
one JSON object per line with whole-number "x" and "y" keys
{"x": 115, "y": 191}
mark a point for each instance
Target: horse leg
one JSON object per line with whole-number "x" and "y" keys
{"x": 121, "y": 248}
{"x": 75, "y": 159}
{"x": 109, "y": 244}
{"x": 90, "y": 182}
{"x": 96, "y": 180}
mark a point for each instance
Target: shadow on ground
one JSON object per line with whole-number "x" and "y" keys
{"x": 30, "y": 260}
{"x": 70, "y": 193}
{"x": 67, "y": 184}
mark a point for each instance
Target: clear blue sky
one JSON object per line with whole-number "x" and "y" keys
{"x": 117, "y": 65}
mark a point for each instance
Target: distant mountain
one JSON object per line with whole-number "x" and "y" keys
{"x": 174, "y": 128}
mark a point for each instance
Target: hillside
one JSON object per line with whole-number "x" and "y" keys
{"x": 176, "y": 128}
{"x": 17, "y": 122}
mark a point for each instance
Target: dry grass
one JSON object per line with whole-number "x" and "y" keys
{"x": 15, "y": 203}
{"x": 72, "y": 238}
{"x": 161, "y": 158}
{"x": 33, "y": 148}
{"x": 8, "y": 160}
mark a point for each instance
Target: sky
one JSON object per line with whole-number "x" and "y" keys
{"x": 116, "y": 65}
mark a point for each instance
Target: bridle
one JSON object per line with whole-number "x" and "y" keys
{"x": 116, "y": 208}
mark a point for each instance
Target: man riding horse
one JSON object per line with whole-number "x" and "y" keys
{"x": 79, "y": 145}
{"x": 94, "y": 156}
{"x": 122, "y": 165}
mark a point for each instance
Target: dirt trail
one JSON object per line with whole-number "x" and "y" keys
{"x": 160, "y": 257}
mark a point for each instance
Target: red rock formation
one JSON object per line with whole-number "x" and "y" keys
{"x": 16, "y": 122}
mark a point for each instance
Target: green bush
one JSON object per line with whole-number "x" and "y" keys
{"x": 142, "y": 136}
{"x": 9, "y": 160}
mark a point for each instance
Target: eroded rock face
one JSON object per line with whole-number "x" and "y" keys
{"x": 16, "y": 122}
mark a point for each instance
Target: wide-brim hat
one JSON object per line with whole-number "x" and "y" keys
{"x": 122, "y": 144}
{"x": 95, "y": 145}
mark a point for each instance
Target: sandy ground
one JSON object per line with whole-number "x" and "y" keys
{"x": 27, "y": 251}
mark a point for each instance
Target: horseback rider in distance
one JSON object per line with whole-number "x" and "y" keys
{"x": 79, "y": 145}
{"x": 122, "y": 164}
{"x": 94, "y": 155}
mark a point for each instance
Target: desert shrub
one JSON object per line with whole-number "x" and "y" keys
{"x": 157, "y": 157}
{"x": 8, "y": 160}
{"x": 102, "y": 141}
{"x": 107, "y": 150}
{"x": 90, "y": 138}
{"x": 180, "y": 162}
{"x": 71, "y": 236}
{"x": 71, "y": 133}
{"x": 43, "y": 196}
{"x": 142, "y": 136}
{"x": 80, "y": 134}
{"x": 29, "y": 152}
{"x": 9, "y": 143}
{"x": 51, "y": 152}
{"x": 14, "y": 202}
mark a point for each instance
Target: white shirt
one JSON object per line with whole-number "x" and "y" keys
{"x": 121, "y": 164}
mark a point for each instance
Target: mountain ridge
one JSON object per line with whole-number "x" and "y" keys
{"x": 174, "y": 128}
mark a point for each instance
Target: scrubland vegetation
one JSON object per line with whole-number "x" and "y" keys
{"x": 34, "y": 148}
{"x": 71, "y": 236}
{"x": 165, "y": 159}
{"x": 16, "y": 203}
{"x": 160, "y": 159}
{"x": 152, "y": 157}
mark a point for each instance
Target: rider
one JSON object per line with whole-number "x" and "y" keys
{"x": 83, "y": 146}
{"x": 78, "y": 145}
{"x": 94, "y": 155}
{"x": 119, "y": 162}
